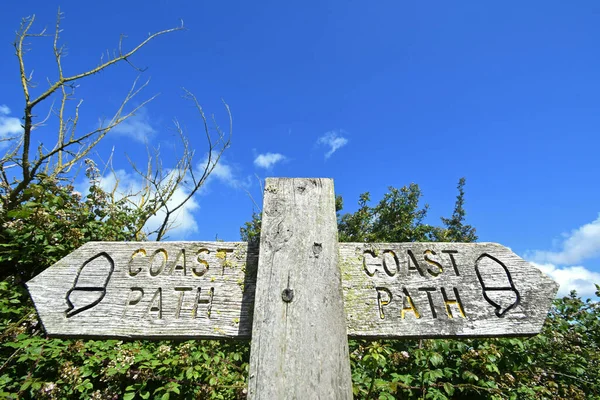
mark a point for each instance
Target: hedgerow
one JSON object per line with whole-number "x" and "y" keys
{"x": 562, "y": 362}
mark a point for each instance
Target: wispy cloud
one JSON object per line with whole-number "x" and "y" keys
{"x": 268, "y": 160}
{"x": 183, "y": 222}
{"x": 576, "y": 278}
{"x": 562, "y": 264}
{"x": 9, "y": 126}
{"x": 223, "y": 172}
{"x": 578, "y": 245}
{"x": 333, "y": 140}
{"x": 136, "y": 127}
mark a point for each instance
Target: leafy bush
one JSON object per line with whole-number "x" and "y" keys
{"x": 563, "y": 362}
{"x": 52, "y": 222}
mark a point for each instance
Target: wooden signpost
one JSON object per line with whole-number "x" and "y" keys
{"x": 299, "y": 296}
{"x": 427, "y": 290}
{"x": 148, "y": 290}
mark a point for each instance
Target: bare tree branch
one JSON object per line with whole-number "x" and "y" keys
{"x": 215, "y": 151}
{"x": 101, "y": 67}
{"x": 161, "y": 186}
{"x": 163, "y": 191}
{"x": 67, "y": 136}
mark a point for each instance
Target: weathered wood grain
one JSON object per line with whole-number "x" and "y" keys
{"x": 420, "y": 290}
{"x": 149, "y": 290}
{"x": 232, "y": 275}
{"x": 299, "y": 344}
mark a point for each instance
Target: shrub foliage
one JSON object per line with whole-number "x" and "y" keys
{"x": 53, "y": 220}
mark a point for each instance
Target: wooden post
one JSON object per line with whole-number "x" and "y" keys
{"x": 299, "y": 344}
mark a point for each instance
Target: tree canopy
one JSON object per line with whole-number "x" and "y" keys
{"x": 398, "y": 217}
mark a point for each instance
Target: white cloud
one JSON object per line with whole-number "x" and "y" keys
{"x": 9, "y": 126}
{"x": 129, "y": 184}
{"x": 222, "y": 172}
{"x": 183, "y": 221}
{"x": 578, "y": 245}
{"x": 267, "y": 160}
{"x": 572, "y": 278}
{"x": 334, "y": 140}
{"x": 136, "y": 127}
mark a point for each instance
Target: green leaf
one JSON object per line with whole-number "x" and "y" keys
{"x": 468, "y": 375}
{"x": 189, "y": 372}
{"x": 406, "y": 379}
{"x": 448, "y": 388}
{"x": 436, "y": 359}
{"x": 25, "y": 385}
{"x": 129, "y": 396}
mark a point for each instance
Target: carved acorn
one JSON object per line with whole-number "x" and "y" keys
{"x": 89, "y": 287}
{"x": 497, "y": 284}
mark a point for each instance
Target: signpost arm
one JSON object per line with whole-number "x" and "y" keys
{"x": 299, "y": 343}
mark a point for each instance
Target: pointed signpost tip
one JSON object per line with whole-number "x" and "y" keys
{"x": 311, "y": 292}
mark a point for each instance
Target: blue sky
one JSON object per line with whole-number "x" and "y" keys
{"x": 371, "y": 94}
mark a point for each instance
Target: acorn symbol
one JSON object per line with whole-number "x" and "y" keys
{"x": 90, "y": 284}
{"x": 497, "y": 284}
